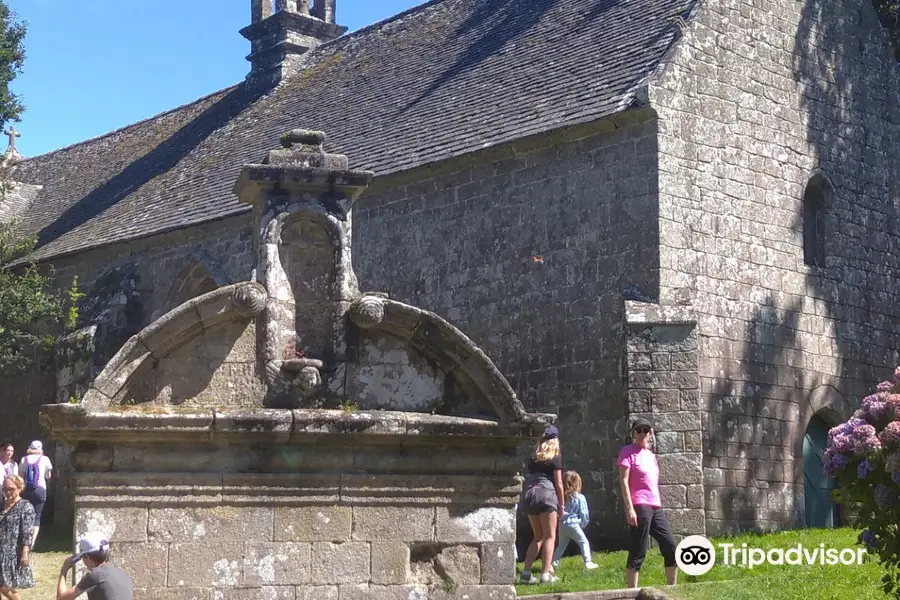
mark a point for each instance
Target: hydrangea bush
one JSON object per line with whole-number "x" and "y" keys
{"x": 863, "y": 456}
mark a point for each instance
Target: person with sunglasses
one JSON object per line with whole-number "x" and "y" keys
{"x": 639, "y": 482}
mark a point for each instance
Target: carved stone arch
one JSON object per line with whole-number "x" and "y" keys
{"x": 824, "y": 408}
{"x": 826, "y": 402}
{"x": 474, "y": 375}
{"x": 205, "y": 316}
{"x": 202, "y": 274}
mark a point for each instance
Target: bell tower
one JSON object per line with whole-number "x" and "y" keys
{"x": 281, "y": 31}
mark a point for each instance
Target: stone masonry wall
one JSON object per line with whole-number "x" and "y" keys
{"x": 664, "y": 387}
{"x": 759, "y": 97}
{"x": 309, "y": 552}
{"x": 528, "y": 252}
{"x": 302, "y": 504}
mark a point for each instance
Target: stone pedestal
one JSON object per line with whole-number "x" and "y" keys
{"x": 299, "y": 504}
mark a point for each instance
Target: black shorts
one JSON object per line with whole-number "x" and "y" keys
{"x": 37, "y": 497}
{"x": 539, "y": 499}
{"x": 650, "y": 521}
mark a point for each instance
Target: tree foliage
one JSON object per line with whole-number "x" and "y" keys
{"x": 12, "y": 58}
{"x": 32, "y": 312}
{"x": 889, "y": 15}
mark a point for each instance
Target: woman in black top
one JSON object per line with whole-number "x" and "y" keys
{"x": 543, "y": 502}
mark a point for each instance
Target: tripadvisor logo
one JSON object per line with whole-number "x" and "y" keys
{"x": 696, "y": 555}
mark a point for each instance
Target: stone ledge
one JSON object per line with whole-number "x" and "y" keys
{"x": 645, "y": 313}
{"x": 161, "y": 423}
{"x": 285, "y": 489}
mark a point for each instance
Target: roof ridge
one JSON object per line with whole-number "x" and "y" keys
{"x": 130, "y": 125}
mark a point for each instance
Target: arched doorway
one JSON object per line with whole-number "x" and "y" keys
{"x": 820, "y": 510}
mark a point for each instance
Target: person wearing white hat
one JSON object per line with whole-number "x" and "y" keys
{"x": 36, "y": 469}
{"x": 103, "y": 581}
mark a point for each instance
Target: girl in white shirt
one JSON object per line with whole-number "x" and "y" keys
{"x": 10, "y": 467}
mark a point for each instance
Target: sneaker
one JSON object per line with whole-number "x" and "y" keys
{"x": 554, "y": 564}
{"x": 590, "y": 565}
{"x": 526, "y": 577}
{"x": 548, "y": 578}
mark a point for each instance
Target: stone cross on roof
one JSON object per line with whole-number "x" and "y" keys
{"x": 12, "y": 134}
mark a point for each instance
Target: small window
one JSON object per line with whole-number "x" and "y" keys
{"x": 814, "y": 222}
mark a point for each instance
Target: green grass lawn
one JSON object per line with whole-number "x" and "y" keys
{"x": 46, "y": 559}
{"x": 778, "y": 582}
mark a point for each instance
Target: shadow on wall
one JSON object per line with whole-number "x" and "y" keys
{"x": 749, "y": 414}
{"x": 846, "y": 71}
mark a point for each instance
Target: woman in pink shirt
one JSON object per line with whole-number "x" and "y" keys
{"x": 639, "y": 480}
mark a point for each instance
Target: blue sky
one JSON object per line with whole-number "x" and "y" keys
{"x": 96, "y": 65}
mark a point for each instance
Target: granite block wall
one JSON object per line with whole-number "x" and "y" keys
{"x": 261, "y": 504}
{"x": 529, "y": 250}
{"x": 320, "y": 552}
{"x": 761, "y": 97}
{"x": 127, "y": 286}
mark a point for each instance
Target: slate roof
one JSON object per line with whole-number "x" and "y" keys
{"x": 445, "y": 78}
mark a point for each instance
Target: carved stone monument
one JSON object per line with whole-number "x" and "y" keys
{"x": 290, "y": 437}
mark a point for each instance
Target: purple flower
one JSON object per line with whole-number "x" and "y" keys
{"x": 841, "y": 429}
{"x": 895, "y": 477}
{"x": 874, "y": 407}
{"x": 867, "y": 446}
{"x": 862, "y": 432}
{"x": 853, "y": 423}
{"x": 892, "y": 405}
{"x": 835, "y": 464}
{"x": 884, "y": 496}
{"x": 843, "y": 443}
{"x": 890, "y": 434}
{"x": 885, "y": 386}
{"x": 864, "y": 469}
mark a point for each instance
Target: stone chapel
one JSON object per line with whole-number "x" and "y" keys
{"x": 681, "y": 209}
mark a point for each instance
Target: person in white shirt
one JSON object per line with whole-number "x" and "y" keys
{"x": 35, "y": 469}
{"x": 10, "y": 467}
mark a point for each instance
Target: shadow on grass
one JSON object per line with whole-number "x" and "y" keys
{"x": 54, "y": 541}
